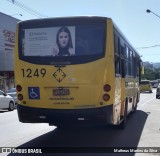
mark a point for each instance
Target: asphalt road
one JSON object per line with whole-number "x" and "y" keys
{"x": 142, "y": 130}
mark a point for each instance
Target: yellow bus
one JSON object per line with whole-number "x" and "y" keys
{"x": 75, "y": 71}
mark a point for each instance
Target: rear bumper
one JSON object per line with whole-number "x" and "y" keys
{"x": 92, "y": 116}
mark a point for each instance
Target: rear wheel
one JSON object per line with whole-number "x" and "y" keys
{"x": 135, "y": 107}
{"x": 11, "y": 106}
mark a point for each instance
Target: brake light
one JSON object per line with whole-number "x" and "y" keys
{"x": 107, "y": 88}
{"x": 106, "y": 97}
{"x": 18, "y": 88}
{"x": 20, "y": 97}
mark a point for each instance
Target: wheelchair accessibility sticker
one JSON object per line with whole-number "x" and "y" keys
{"x": 33, "y": 93}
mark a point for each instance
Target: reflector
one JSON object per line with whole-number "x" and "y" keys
{"x": 106, "y": 97}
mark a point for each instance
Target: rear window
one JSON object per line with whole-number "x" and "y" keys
{"x": 144, "y": 82}
{"x": 153, "y": 83}
{"x": 63, "y": 41}
{"x": 75, "y": 42}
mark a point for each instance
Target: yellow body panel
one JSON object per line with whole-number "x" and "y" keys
{"x": 85, "y": 81}
{"x": 75, "y": 87}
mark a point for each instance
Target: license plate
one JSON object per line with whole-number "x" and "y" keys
{"x": 61, "y": 92}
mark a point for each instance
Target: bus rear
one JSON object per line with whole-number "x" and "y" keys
{"x": 64, "y": 71}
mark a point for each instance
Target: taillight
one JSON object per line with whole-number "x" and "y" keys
{"x": 106, "y": 97}
{"x": 20, "y": 97}
{"x": 18, "y": 88}
{"x": 107, "y": 88}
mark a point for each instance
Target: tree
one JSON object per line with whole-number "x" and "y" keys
{"x": 151, "y": 74}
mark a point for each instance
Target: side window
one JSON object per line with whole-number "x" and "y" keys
{"x": 127, "y": 61}
{"x": 130, "y": 62}
{"x": 117, "y": 53}
{"x": 137, "y": 67}
{"x": 133, "y": 64}
{"x": 122, "y": 48}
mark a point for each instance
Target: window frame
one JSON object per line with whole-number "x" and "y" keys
{"x": 69, "y": 60}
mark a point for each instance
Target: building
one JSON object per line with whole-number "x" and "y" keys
{"x": 7, "y": 41}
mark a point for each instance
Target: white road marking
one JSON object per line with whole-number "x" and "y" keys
{"x": 147, "y": 102}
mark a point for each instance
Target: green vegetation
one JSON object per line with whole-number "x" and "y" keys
{"x": 151, "y": 74}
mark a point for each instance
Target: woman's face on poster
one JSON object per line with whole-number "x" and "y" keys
{"x": 63, "y": 39}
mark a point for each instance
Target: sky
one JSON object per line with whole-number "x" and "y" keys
{"x": 142, "y": 29}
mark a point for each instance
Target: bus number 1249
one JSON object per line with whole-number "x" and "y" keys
{"x": 29, "y": 73}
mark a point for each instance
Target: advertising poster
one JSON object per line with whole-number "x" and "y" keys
{"x": 49, "y": 41}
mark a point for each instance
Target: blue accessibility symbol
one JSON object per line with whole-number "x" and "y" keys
{"x": 33, "y": 92}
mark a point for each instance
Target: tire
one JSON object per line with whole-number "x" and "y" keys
{"x": 124, "y": 122}
{"x": 135, "y": 107}
{"x": 11, "y": 106}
